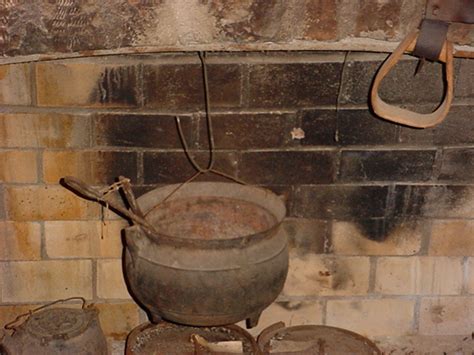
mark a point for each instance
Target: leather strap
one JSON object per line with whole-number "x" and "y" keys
{"x": 407, "y": 117}
{"x": 431, "y": 39}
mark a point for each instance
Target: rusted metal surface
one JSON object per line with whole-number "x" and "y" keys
{"x": 58, "y": 331}
{"x": 207, "y": 275}
{"x": 168, "y": 338}
{"x": 313, "y": 340}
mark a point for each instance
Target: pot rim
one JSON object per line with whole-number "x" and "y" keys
{"x": 273, "y": 204}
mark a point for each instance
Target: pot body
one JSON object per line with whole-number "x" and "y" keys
{"x": 208, "y": 282}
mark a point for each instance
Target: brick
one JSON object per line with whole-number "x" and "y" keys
{"x": 464, "y": 82}
{"x": 317, "y": 275}
{"x": 94, "y": 167}
{"x": 380, "y": 229}
{"x": 372, "y": 317}
{"x": 446, "y": 315}
{"x": 15, "y": 84}
{"x": 307, "y": 236}
{"x": 452, "y": 237}
{"x": 50, "y": 130}
{"x": 288, "y": 167}
{"x": 470, "y": 275}
{"x": 251, "y": 131}
{"x": 2, "y": 202}
{"x": 437, "y": 201}
{"x": 361, "y": 127}
{"x": 292, "y": 313}
{"x": 39, "y": 281}
{"x": 397, "y": 87}
{"x": 357, "y": 78}
{"x": 117, "y": 319}
{"x": 339, "y": 201}
{"x": 319, "y": 127}
{"x": 349, "y": 238}
{"x": 110, "y": 280}
{"x": 446, "y": 133}
{"x": 378, "y": 16}
{"x": 148, "y": 131}
{"x": 403, "y": 165}
{"x": 308, "y": 83}
{"x": 20, "y": 241}
{"x": 179, "y": 86}
{"x": 174, "y": 167}
{"x": 419, "y": 275}
{"x": 91, "y": 83}
{"x": 83, "y": 239}
{"x": 18, "y": 166}
{"x": 33, "y": 203}
{"x": 457, "y": 165}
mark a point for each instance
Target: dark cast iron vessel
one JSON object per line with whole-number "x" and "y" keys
{"x": 217, "y": 257}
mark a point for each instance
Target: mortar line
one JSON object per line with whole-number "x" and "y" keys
{"x": 339, "y": 94}
{"x": 39, "y": 166}
{"x": 372, "y": 274}
{"x": 437, "y": 164}
{"x": 33, "y": 84}
{"x": 337, "y": 165}
{"x": 426, "y": 236}
{"x": 460, "y": 102}
{"x": 328, "y": 237}
{"x": 245, "y": 99}
{"x": 350, "y": 298}
{"x": 141, "y": 86}
{"x": 296, "y": 149}
{"x": 94, "y": 280}
{"x": 92, "y": 142}
{"x": 322, "y": 185}
{"x": 242, "y": 87}
{"x": 416, "y": 315}
{"x": 43, "y": 251}
{"x": 140, "y": 168}
{"x": 324, "y": 311}
{"x": 465, "y": 275}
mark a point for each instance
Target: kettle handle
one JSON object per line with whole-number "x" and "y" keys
{"x": 13, "y": 326}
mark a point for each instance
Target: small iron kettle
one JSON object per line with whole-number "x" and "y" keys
{"x": 55, "y": 331}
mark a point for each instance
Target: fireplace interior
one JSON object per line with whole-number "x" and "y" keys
{"x": 379, "y": 216}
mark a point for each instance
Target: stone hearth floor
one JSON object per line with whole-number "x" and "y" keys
{"x": 413, "y": 345}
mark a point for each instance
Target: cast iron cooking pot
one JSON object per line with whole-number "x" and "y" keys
{"x": 202, "y": 253}
{"x": 218, "y": 257}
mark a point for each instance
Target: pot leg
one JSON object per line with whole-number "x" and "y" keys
{"x": 252, "y": 321}
{"x": 155, "y": 319}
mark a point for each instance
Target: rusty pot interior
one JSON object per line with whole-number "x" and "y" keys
{"x": 210, "y": 218}
{"x": 210, "y": 210}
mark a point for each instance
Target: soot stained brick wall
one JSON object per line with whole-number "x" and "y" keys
{"x": 362, "y": 194}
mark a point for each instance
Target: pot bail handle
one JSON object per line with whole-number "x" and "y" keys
{"x": 404, "y": 116}
{"x": 13, "y": 326}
